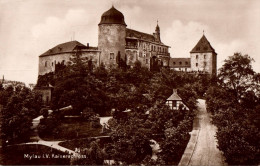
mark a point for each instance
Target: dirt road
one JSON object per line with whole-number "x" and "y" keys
{"x": 206, "y": 151}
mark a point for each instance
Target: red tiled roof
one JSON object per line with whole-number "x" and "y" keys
{"x": 203, "y": 46}
{"x": 179, "y": 62}
{"x": 66, "y": 47}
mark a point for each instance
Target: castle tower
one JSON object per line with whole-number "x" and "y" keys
{"x": 157, "y": 33}
{"x": 111, "y": 37}
{"x": 203, "y": 57}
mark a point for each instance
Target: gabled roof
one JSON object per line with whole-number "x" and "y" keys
{"x": 179, "y": 62}
{"x": 203, "y": 46}
{"x": 174, "y": 96}
{"x": 64, "y": 47}
{"x": 139, "y": 35}
{"x": 130, "y": 33}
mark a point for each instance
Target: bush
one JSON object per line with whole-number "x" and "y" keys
{"x": 239, "y": 149}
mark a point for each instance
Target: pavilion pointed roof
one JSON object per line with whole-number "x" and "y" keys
{"x": 174, "y": 96}
{"x": 203, "y": 46}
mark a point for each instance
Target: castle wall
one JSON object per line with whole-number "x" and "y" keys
{"x": 131, "y": 56}
{"x": 45, "y": 93}
{"x": 143, "y": 51}
{"x": 111, "y": 39}
{"x": 47, "y": 63}
{"x": 214, "y": 64}
{"x": 203, "y": 62}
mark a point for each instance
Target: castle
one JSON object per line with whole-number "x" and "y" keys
{"x": 117, "y": 43}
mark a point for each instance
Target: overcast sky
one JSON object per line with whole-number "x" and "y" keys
{"x": 30, "y": 27}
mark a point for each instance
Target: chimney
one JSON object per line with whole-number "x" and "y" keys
{"x": 87, "y": 45}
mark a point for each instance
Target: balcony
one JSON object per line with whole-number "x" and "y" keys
{"x": 131, "y": 46}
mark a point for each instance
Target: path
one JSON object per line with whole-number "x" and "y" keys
{"x": 38, "y": 141}
{"x": 206, "y": 151}
{"x": 52, "y": 144}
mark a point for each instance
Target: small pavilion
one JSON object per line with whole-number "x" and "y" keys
{"x": 175, "y": 101}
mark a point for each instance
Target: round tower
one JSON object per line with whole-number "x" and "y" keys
{"x": 111, "y": 38}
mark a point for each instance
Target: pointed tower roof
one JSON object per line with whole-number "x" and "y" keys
{"x": 203, "y": 46}
{"x": 157, "y": 27}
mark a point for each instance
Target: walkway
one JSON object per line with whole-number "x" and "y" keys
{"x": 52, "y": 144}
{"x": 202, "y": 148}
{"x": 38, "y": 141}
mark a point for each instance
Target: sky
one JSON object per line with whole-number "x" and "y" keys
{"x": 28, "y": 28}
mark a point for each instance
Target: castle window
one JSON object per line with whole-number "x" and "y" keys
{"x": 47, "y": 100}
{"x": 180, "y": 63}
{"x": 186, "y": 63}
{"x": 46, "y": 64}
{"x": 204, "y": 56}
{"x": 112, "y": 56}
{"x": 174, "y": 63}
{"x": 196, "y": 64}
{"x": 197, "y": 56}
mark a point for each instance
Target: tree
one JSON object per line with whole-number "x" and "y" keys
{"x": 175, "y": 143}
{"x": 131, "y": 140}
{"x": 234, "y": 102}
{"x": 237, "y": 74}
{"x": 94, "y": 155}
{"x": 18, "y": 113}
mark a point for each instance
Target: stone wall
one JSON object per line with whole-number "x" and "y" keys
{"x": 144, "y": 52}
{"x": 206, "y": 62}
{"x": 111, "y": 40}
{"x": 45, "y": 94}
{"x": 47, "y": 63}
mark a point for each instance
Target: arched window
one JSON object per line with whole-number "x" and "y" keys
{"x": 46, "y": 64}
